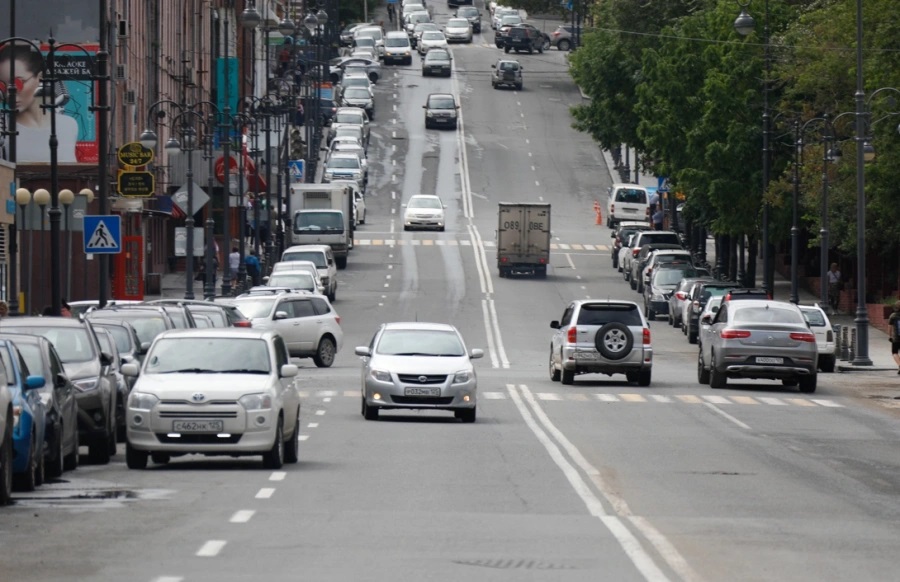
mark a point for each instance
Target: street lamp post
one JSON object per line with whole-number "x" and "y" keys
{"x": 66, "y": 198}
{"x": 795, "y": 218}
{"x": 744, "y": 25}
{"x": 23, "y": 199}
{"x": 42, "y": 198}
{"x": 209, "y": 281}
{"x": 861, "y": 354}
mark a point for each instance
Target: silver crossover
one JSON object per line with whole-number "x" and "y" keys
{"x": 419, "y": 365}
{"x": 758, "y": 338}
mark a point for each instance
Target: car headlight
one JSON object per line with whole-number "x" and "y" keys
{"x": 462, "y": 377}
{"x": 256, "y": 401}
{"x": 381, "y": 375}
{"x": 429, "y": 114}
{"x": 87, "y": 384}
{"x": 142, "y": 401}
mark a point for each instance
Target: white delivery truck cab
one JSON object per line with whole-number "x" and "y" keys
{"x": 322, "y": 214}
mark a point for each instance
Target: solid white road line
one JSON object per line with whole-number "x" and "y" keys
{"x": 718, "y": 410}
{"x": 277, "y": 476}
{"x": 265, "y": 493}
{"x": 492, "y": 349}
{"x": 242, "y": 516}
{"x": 211, "y": 548}
{"x": 629, "y": 543}
{"x": 168, "y": 579}
{"x": 668, "y": 552}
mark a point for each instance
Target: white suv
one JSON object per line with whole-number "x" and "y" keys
{"x": 310, "y": 326}
{"x": 323, "y": 257}
{"x": 821, "y": 326}
{"x": 601, "y": 337}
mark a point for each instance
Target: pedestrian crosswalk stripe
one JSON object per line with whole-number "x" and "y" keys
{"x": 717, "y": 400}
{"x": 442, "y": 242}
{"x": 800, "y": 402}
{"x": 663, "y": 399}
{"x": 744, "y": 400}
{"x": 772, "y": 401}
{"x": 607, "y": 397}
{"x": 493, "y": 395}
{"x": 827, "y": 403}
{"x": 689, "y": 399}
{"x": 562, "y": 246}
{"x": 632, "y": 398}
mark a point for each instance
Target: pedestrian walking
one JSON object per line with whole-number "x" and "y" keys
{"x": 391, "y": 11}
{"x": 253, "y": 266}
{"x": 835, "y": 284}
{"x": 894, "y": 334}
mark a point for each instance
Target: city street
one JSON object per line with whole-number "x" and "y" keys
{"x": 602, "y": 480}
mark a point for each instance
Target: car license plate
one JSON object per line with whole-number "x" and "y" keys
{"x": 198, "y": 426}
{"x": 585, "y": 356}
{"x": 421, "y": 391}
{"x": 761, "y": 360}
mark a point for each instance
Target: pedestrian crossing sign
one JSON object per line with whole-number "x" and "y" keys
{"x": 103, "y": 234}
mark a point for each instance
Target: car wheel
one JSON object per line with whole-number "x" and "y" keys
{"x": 373, "y": 77}
{"x": 493, "y": 85}
{"x": 369, "y": 412}
{"x": 134, "y": 458}
{"x": 6, "y": 471}
{"x": 808, "y": 384}
{"x": 467, "y": 415}
{"x": 111, "y": 441}
{"x": 274, "y": 458}
{"x": 506, "y": 49}
{"x": 568, "y": 377}
{"x": 518, "y": 86}
{"x": 554, "y": 373}
{"x": 631, "y": 282}
{"x": 717, "y": 379}
{"x": 40, "y": 468}
{"x": 626, "y": 273}
{"x": 702, "y": 372}
{"x": 644, "y": 377}
{"x": 341, "y": 262}
{"x": 563, "y": 45}
{"x": 651, "y": 315}
{"x": 27, "y": 481}
{"x": 614, "y": 340}
{"x": 669, "y": 319}
{"x": 826, "y": 363}
{"x": 292, "y": 446}
{"x": 98, "y": 450}
{"x": 56, "y": 467}
{"x": 160, "y": 458}
{"x": 70, "y": 463}
{"x": 324, "y": 357}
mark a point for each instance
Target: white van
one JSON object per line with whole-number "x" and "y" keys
{"x": 627, "y": 202}
{"x": 397, "y": 48}
{"x": 323, "y": 257}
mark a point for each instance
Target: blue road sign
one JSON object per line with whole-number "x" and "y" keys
{"x": 103, "y": 235}
{"x": 297, "y": 171}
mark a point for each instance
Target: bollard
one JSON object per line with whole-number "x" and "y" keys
{"x": 836, "y": 332}
{"x": 845, "y": 343}
{"x": 852, "y": 353}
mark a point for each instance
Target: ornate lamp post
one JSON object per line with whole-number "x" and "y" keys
{"x": 42, "y": 198}
{"x": 23, "y": 199}
{"x": 66, "y": 198}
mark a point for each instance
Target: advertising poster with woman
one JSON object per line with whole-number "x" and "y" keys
{"x": 72, "y": 93}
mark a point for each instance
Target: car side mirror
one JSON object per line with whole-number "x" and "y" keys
{"x": 280, "y": 315}
{"x": 32, "y": 382}
{"x": 554, "y": 324}
{"x": 424, "y": 107}
{"x": 362, "y": 351}
{"x": 521, "y": 69}
{"x": 288, "y": 370}
{"x": 476, "y": 353}
{"x": 131, "y": 370}
{"x": 144, "y": 347}
{"x": 715, "y": 309}
{"x": 493, "y": 66}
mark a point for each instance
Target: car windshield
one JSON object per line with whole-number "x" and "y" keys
{"x": 313, "y": 220}
{"x": 396, "y": 41}
{"x": 659, "y": 238}
{"x": 469, "y": 11}
{"x": 208, "y": 355}
{"x": 673, "y": 276}
{"x": 814, "y": 317}
{"x": 315, "y": 257}
{"x": 292, "y": 280}
{"x": 120, "y": 335}
{"x": 441, "y": 56}
{"x": 147, "y": 325}
{"x": 357, "y": 93}
{"x": 457, "y": 23}
{"x": 511, "y": 19}
{"x": 71, "y": 343}
{"x": 424, "y": 203}
{"x": 420, "y": 342}
{"x": 353, "y": 117}
{"x": 423, "y": 26}
{"x": 767, "y": 314}
{"x": 441, "y": 103}
{"x": 31, "y": 353}
{"x": 602, "y": 314}
{"x": 631, "y": 195}
{"x": 343, "y": 162}
{"x": 256, "y": 307}
{"x": 365, "y": 41}
{"x": 423, "y": 17}
{"x": 350, "y": 131}
{"x": 432, "y": 35}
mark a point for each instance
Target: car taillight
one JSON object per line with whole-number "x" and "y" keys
{"x": 634, "y": 252}
{"x": 803, "y": 336}
{"x": 504, "y": 259}
{"x": 337, "y": 319}
{"x": 612, "y": 208}
{"x": 646, "y": 336}
{"x": 681, "y": 295}
{"x": 243, "y": 324}
{"x": 571, "y": 336}
{"x": 735, "y": 334}
{"x": 555, "y": 34}
{"x": 829, "y": 337}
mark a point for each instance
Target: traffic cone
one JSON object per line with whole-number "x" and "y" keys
{"x": 597, "y": 212}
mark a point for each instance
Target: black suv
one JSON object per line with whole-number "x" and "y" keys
{"x": 700, "y": 294}
{"x": 472, "y": 14}
{"x": 523, "y": 38}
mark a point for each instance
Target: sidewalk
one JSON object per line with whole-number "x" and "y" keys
{"x": 879, "y": 347}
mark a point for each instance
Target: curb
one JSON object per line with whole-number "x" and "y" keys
{"x": 854, "y": 368}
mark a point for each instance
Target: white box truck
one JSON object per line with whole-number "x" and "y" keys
{"x": 322, "y": 214}
{"x": 523, "y": 239}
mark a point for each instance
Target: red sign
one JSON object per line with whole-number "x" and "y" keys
{"x": 249, "y": 172}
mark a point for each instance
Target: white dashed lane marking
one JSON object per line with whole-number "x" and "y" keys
{"x": 265, "y": 493}
{"x": 211, "y": 548}
{"x": 242, "y": 516}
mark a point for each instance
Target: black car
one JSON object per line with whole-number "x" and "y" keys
{"x": 640, "y": 260}
{"x": 437, "y": 62}
{"x": 441, "y": 110}
{"x": 700, "y": 294}
{"x": 472, "y": 14}
{"x": 621, "y": 236}
{"x": 523, "y": 38}
{"x": 661, "y": 286}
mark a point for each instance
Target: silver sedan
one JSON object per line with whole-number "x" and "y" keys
{"x": 419, "y": 366}
{"x": 758, "y": 338}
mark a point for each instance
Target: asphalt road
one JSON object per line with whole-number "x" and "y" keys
{"x": 597, "y": 481}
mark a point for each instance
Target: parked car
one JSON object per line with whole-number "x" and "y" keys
{"x": 307, "y": 266}
{"x": 81, "y": 307}
{"x": 87, "y": 366}
{"x": 29, "y": 418}
{"x": 345, "y": 166}
{"x": 353, "y": 117}
{"x": 419, "y": 365}
{"x": 679, "y": 296}
{"x": 601, "y": 337}
{"x": 310, "y": 326}
{"x": 323, "y": 258}
{"x": 642, "y": 238}
{"x": 7, "y": 423}
{"x": 371, "y": 66}
{"x": 561, "y": 38}
{"x": 620, "y": 236}
{"x": 223, "y": 315}
{"x": 627, "y": 202}
{"x": 523, "y": 38}
{"x": 60, "y": 405}
{"x": 820, "y": 325}
{"x": 712, "y": 307}
{"x": 148, "y": 322}
{"x": 424, "y": 211}
{"x": 665, "y": 258}
{"x": 640, "y": 260}
{"x": 700, "y": 294}
{"x": 359, "y": 97}
{"x": 506, "y": 72}
{"x": 123, "y": 387}
{"x": 440, "y": 110}
{"x": 437, "y": 62}
{"x": 758, "y": 338}
{"x": 214, "y": 392}
{"x": 294, "y": 280}
{"x": 662, "y": 284}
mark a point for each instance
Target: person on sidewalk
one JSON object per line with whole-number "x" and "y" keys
{"x": 894, "y": 334}
{"x": 658, "y": 218}
{"x": 253, "y": 266}
{"x": 834, "y": 287}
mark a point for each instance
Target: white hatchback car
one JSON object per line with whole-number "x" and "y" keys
{"x": 228, "y": 391}
{"x": 310, "y": 326}
{"x": 431, "y": 39}
{"x": 424, "y": 211}
{"x": 821, "y": 326}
